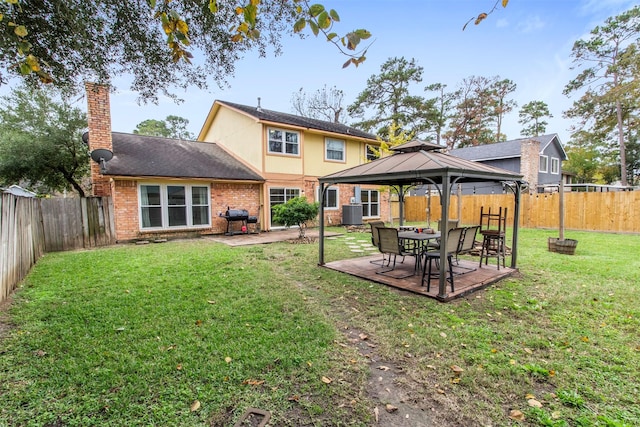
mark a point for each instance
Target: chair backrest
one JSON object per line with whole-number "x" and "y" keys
{"x": 468, "y": 239}
{"x": 451, "y": 223}
{"x": 493, "y": 222}
{"x": 389, "y": 243}
{"x": 453, "y": 239}
{"x": 374, "y": 231}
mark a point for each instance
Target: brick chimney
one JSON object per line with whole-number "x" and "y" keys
{"x": 530, "y": 162}
{"x": 99, "y": 121}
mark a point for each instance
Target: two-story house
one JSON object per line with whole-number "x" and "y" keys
{"x": 291, "y": 152}
{"x": 245, "y": 158}
{"x": 538, "y": 159}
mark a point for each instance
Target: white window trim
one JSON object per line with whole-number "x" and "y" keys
{"x": 284, "y": 142}
{"x": 555, "y": 165}
{"x": 546, "y": 164}
{"x": 164, "y": 206}
{"x": 369, "y": 204}
{"x": 330, "y": 208}
{"x": 344, "y": 150}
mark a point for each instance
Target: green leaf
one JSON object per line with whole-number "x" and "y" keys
{"x": 151, "y": 3}
{"x": 299, "y": 25}
{"x": 334, "y": 15}
{"x": 363, "y": 34}
{"x": 315, "y": 10}
{"x": 213, "y": 6}
{"x": 25, "y": 69}
{"x": 314, "y": 28}
{"x": 332, "y": 36}
{"x": 21, "y": 31}
{"x": 323, "y": 20}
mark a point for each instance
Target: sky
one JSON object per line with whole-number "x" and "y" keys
{"x": 528, "y": 42}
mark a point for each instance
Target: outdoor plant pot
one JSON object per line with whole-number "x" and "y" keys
{"x": 564, "y": 246}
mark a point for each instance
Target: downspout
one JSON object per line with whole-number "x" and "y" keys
{"x": 321, "y": 230}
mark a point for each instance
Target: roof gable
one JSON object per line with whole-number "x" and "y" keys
{"x": 141, "y": 155}
{"x": 507, "y": 149}
{"x": 276, "y": 117}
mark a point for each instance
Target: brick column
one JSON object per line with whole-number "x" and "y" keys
{"x": 99, "y": 121}
{"x": 530, "y": 162}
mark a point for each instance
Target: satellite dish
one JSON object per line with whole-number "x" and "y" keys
{"x": 85, "y": 138}
{"x": 102, "y": 156}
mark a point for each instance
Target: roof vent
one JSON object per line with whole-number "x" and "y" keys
{"x": 259, "y": 107}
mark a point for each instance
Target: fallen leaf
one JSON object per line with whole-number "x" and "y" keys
{"x": 195, "y": 406}
{"x": 443, "y": 335}
{"x": 211, "y": 301}
{"x": 383, "y": 368}
{"x": 252, "y": 382}
{"x": 512, "y": 362}
{"x": 120, "y": 329}
{"x": 585, "y": 339}
{"x": 127, "y": 291}
{"x": 457, "y": 369}
{"x": 441, "y": 391}
{"x": 363, "y": 337}
{"x": 529, "y": 396}
{"x": 516, "y": 415}
{"x": 390, "y": 408}
{"x": 179, "y": 367}
{"x": 227, "y": 359}
{"x": 528, "y": 350}
{"x": 534, "y": 403}
{"x": 309, "y": 364}
{"x": 198, "y": 322}
{"x": 552, "y": 373}
{"x": 431, "y": 367}
{"x": 376, "y": 412}
{"x": 294, "y": 398}
{"x": 493, "y": 350}
{"x": 40, "y": 353}
{"x": 327, "y": 380}
{"x": 455, "y": 380}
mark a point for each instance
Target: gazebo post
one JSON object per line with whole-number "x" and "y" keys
{"x": 516, "y": 223}
{"x": 321, "y": 230}
{"x": 444, "y": 220}
{"x": 401, "y": 204}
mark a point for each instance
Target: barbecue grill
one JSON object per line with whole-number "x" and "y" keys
{"x": 238, "y": 216}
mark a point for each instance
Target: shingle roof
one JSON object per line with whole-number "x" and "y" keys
{"x": 305, "y": 122}
{"x": 140, "y": 155}
{"x": 500, "y": 150}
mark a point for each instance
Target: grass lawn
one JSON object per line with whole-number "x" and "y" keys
{"x": 195, "y": 332}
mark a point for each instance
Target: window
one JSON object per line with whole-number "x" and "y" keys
{"x": 370, "y": 203}
{"x": 284, "y": 142}
{"x": 278, "y": 196}
{"x": 166, "y": 206}
{"x": 334, "y": 149}
{"x": 544, "y": 164}
{"x": 330, "y": 198}
{"x": 555, "y": 165}
{"x": 371, "y": 152}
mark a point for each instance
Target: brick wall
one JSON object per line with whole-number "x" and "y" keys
{"x": 127, "y": 215}
{"x": 530, "y": 162}
{"x": 99, "y": 123}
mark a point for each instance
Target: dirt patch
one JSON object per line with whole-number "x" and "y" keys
{"x": 5, "y": 324}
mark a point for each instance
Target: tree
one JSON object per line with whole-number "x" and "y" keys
{"x": 443, "y": 106}
{"x": 296, "y": 211}
{"x": 473, "y": 115}
{"x": 324, "y": 104}
{"x": 531, "y": 115}
{"x": 68, "y": 42}
{"x": 501, "y": 105}
{"x": 604, "y": 74}
{"x": 387, "y": 94}
{"x": 41, "y": 141}
{"x": 172, "y": 127}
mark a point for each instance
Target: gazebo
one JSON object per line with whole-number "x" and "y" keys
{"x": 419, "y": 163}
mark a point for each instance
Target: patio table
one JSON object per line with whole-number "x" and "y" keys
{"x": 417, "y": 242}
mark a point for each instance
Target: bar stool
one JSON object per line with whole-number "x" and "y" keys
{"x": 492, "y": 228}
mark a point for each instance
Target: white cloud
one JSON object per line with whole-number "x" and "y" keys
{"x": 531, "y": 24}
{"x": 502, "y": 23}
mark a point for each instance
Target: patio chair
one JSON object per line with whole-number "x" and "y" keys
{"x": 492, "y": 228}
{"x": 389, "y": 244}
{"x": 374, "y": 240}
{"x": 467, "y": 244}
{"x": 451, "y": 224}
{"x": 453, "y": 243}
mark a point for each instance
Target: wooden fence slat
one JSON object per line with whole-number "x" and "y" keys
{"x": 609, "y": 212}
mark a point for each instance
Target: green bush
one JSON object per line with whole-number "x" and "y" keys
{"x": 296, "y": 211}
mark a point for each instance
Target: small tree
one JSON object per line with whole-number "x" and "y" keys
{"x": 296, "y": 211}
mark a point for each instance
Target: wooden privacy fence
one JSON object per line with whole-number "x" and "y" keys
{"x": 609, "y": 212}
{"x": 29, "y": 227}
{"x": 21, "y": 239}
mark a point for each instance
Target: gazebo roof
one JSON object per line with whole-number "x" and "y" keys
{"x": 419, "y": 162}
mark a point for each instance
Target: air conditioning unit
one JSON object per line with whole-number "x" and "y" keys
{"x": 353, "y": 200}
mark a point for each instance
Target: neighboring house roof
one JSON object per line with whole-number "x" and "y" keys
{"x": 507, "y": 149}
{"x": 141, "y": 155}
{"x": 16, "y": 190}
{"x": 271, "y": 116}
